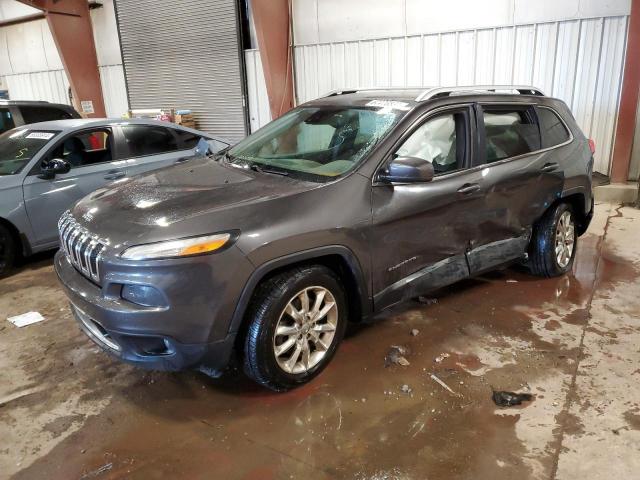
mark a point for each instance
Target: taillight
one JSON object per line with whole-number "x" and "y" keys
{"x": 592, "y": 146}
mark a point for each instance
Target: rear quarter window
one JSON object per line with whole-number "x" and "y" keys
{"x": 554, "y": 132}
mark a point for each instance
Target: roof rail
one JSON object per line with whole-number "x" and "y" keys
{"x": 344, "y": 91}
{"x": 432, "y": 93}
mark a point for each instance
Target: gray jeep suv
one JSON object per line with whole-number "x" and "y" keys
{"x": 343, "y": 207}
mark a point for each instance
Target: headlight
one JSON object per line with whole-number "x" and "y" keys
{"x": 185, "y": 247}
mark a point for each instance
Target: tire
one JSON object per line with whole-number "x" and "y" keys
{"x": 7, "y": 250}
{"x": 278, "y": 371}
{"x": 543, "y": 259}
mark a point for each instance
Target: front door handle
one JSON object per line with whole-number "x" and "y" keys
{"x": 183, "y": 159}
{"x": 469, "y": 188}
{"x": 550, "y": 167}
{"x": 114, "y": 174}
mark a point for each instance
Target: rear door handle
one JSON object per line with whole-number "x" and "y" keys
{"x": 469, "y": 188}
{"x": 114, "y": 174}
{"x": 550, "y": 167}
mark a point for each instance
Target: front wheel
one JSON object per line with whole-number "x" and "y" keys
{"x": 7, "y": 250}
{"x": 554, "y": 242}
{"x": 296, "y": 321}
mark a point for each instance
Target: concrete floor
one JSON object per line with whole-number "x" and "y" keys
{"x": 68, "y": 411}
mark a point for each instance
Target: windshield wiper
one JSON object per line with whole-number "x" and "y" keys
{"x": 258, "y": 168}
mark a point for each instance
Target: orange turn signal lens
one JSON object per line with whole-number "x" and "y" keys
{"x": 203, "y": 247}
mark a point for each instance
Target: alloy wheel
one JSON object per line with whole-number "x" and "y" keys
{"x": 565, "y": 239}
{"x": 305, "y": 330}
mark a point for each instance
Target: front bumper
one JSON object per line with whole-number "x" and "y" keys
{"x": 149, "y": 337}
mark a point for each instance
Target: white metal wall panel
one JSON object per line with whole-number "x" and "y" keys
{"x": 579, "y": 61}
{"x": 259, "y": 111}
{"x": 185, "y": 55}
{"x": 114, "y": 90}
{"x": 51, "y": 86}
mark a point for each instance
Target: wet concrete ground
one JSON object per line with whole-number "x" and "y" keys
{"x": 68, "y": 411}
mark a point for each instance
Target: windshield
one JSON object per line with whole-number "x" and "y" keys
{"x": 17, "y": 148}
{"x": 316, "y": 144}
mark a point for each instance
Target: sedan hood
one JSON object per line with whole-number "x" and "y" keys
{"x": 199, "y": 197}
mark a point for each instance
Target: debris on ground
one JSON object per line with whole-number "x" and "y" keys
{"x": 396, "y": 356}
{"x": 511, "y": 280}
{"x": 509, "y": 399}
{"x": 415, "y": 332}
{"x": 99, "y": 471}
{"x": 444, "y": 385}
{"x": 427, "y": 300}
{"x": 441, "y": 357}
{"x": 26, "y": 319}
{"x": 406, "y": 389}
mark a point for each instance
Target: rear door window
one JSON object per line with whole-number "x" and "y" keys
{"x": 35, "y": 114}
{"x": 554, "y": 132}
{"x": 145, "y": 140}
{"x": 510, "y": 132}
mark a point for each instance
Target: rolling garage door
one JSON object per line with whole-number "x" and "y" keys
{"x": 185, "y": 55}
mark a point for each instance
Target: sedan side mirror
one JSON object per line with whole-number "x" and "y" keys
{"x": 408, "y": 170}
{"x": 53, "y": 167}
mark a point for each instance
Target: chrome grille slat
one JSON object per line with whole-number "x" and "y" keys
{"x": 83, "y": 249}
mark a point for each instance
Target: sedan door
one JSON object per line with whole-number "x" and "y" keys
{"x": 94, "y": 160}
{"x": 421, "y": 231}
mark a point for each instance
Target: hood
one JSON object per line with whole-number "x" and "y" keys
{"x": 199, "y": 197}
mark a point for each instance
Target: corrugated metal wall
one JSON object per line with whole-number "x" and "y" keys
{"x": 579, "y": 61}
{"x": 53, "y": 86}
{"x": 259, "y": 112}
{"x": 185, "y": 56}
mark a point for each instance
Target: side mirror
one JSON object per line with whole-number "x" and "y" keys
{"x": 407, "y": 170}
{"x": 53, "y": 167}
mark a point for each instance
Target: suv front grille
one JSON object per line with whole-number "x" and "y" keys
{"x": 83, "y": 249}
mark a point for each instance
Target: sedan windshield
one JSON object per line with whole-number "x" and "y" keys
{"x": 17, "y": 148}
{"x": 316, "y": 144}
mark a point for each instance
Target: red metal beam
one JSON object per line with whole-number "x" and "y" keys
{"x": 25, "y": 19}
{"x": 271, "y": 18}
{"x": 70, "y": 25}
{"x": 628, "y": 101}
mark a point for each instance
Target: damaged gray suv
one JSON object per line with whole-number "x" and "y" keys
{"x": 343, "y": 207}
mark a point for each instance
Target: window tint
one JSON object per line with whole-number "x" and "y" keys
{"x": 510, "y": 133}
{"x": 43, "y": 114}
{"x": 148, "y": 140}
{"x": 187, "y": 139}
{"x": 438, "y": 141}
{"x": 6, "y": 120}
{"x": 86, "y": 148}
{"x": 553, "y": 130}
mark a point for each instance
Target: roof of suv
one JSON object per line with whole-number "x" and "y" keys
{"x": 33, "y": 103}
{"x": 412, "y": 96}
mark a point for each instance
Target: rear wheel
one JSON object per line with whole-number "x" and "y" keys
{"x": 7, "y": 250}
{"x": 297, "y": 319}
{"x": 554, "y": 242}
